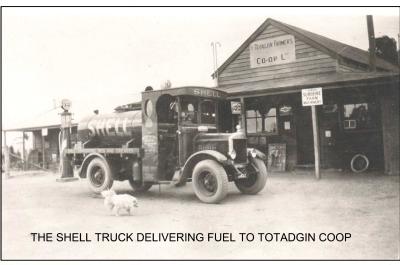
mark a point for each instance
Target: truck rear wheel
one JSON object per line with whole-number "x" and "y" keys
{"x": 138, "y": 186}
{"x": 210, "y": 182}
{"x": 255, "y": 181}
{"x": 99, "y": 175}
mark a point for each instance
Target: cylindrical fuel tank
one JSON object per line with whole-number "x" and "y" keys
{"x": 111, "y": 130}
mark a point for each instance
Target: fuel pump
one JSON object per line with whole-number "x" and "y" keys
{"x": 67, "y": 172}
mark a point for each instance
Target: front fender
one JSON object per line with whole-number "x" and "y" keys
{"x": 198, "y": 156}
{"x": 215, "y": 154}
{"x": 86, "y": 161}
{"x": 259, "y": 154}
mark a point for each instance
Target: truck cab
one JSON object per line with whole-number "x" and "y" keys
{"x": 184, "y": 143}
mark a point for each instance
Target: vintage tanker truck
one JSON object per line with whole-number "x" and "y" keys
{"x": 172, "y": 137}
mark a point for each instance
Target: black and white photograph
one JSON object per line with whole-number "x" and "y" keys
{"x": 200, "y": 133}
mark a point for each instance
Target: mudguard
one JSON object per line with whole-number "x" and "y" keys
{"x": 259, "y": 154}
{"x": 187, "y": 169}
{"x": 86, "y": 161}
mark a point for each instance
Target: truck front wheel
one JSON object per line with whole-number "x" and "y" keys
{"x": 255, "y": 181}
{"x": 210, "y": 182}
{"x": 99, "y": 175}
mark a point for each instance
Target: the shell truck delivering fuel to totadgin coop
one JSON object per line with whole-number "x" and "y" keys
{"x": 172, "y": 137}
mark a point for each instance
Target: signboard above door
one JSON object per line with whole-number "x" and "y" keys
{"x": 272, "y": 51}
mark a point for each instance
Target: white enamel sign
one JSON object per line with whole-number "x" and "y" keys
{"x": 312, "y": 96}
{"x": 236, "y": 107}
{"x": 272, "y": 51}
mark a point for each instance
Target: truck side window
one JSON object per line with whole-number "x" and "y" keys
{"x": 166, "y": 109}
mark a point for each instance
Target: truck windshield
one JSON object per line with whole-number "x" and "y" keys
{"x": 208, "y": 115}
{"x": 189, "y": 106}
{"x": 196, "y": 110}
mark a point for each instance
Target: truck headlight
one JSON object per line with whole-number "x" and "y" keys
{"x": 232, "y": 154}
{"x": 253, "y": 153}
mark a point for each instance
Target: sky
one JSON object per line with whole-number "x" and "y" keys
{"x": 103, "y": 57}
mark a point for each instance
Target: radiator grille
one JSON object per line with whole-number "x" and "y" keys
{"x": 240, "y": 146}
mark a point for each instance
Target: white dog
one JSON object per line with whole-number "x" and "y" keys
{"x": 115, "y": 202}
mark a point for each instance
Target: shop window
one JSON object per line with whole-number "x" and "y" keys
{"x": 359, "y": 116}
{"x": 262, "y": 123}
{"x": 254, "y": 121}
{"x": 330, "y": 108}
{"x": 271, "y": 126}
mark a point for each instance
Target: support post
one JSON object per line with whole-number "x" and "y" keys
{"x": 6, "y": 157}
{"x": 243, "y": 115}
{"x": 43, "y": 152}
{"x": 23, "y": 151}
{"x": 316, "y": 142}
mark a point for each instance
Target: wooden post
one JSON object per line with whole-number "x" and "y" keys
{"x": 43, "y": 151}
{"x": 243, "y": 115}
{"x": 316, "y": 142}
{"x": 6, "y": 157}
{"x": 23, "y": 151}
{"x": 7, "y": 161}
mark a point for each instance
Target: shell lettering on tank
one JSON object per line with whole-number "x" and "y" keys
{"x": 124, "y": 126}
{"x": 91, "y": 128}
{"x": 98, "y": 127}
{"x": 103, "y": 125}
{"x": 117, "y": 131}
{"x": 109, "y": 126}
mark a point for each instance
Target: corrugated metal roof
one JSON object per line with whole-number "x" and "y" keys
{"x": 335, "y": 48}
{"x": 49, "y": 119}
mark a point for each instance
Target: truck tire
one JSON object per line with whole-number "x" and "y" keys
{"x": 255, "y": 181}
{"x": 139, "y": 187}
{"x": 210, "y": 181}
{"x": 99, "y": 175}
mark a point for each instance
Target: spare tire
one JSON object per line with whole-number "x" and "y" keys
{"x": 359, "y": 163}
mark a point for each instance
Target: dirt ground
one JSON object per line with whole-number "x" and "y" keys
{"x": 365, "y": 205}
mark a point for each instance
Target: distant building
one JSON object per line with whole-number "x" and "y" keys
{"x": 45, "y": 131}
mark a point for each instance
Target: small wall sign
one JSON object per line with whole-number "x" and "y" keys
{"x": 236, "y": 107}
{"x": 328, "y": 134}
{"x": 286, "y": 125}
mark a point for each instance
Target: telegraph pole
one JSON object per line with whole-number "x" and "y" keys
{"x": 214, "y": 46}
{"x": 371, "y": 40}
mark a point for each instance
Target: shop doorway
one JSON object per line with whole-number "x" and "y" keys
{"x": 304, "y": 136}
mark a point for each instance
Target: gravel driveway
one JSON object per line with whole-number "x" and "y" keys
{"x": 366, "y": 206}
